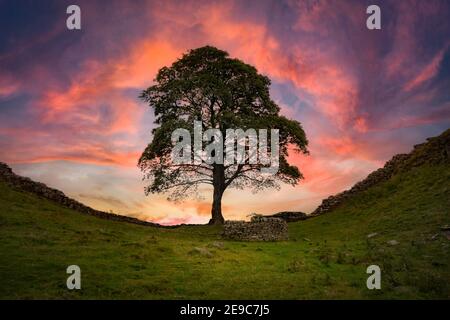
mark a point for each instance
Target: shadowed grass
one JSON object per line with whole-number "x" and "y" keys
{"x": 326, "y": 257}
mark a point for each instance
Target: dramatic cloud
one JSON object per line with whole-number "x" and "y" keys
{"x": 70, "y": 115}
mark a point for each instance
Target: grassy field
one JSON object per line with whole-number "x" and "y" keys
{"x": 325, "y": 258}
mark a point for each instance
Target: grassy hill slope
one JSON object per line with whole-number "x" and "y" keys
{"x": 326, "y": 256}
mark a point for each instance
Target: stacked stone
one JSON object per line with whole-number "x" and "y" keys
{"x": 259, "y": 229}
{"x": 435, "y": 151}
{"x": 40, "y": 189}
{"x": 290, "y": 216}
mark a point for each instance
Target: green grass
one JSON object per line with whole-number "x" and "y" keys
{"x": 325, "y": 258}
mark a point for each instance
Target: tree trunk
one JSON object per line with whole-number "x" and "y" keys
{"x": 219, "y": 188}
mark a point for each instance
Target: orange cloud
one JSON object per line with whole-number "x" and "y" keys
{"x": 97, "y": 119}
{"x": 101, "y": 158}
{"x": 101, "y": 83}
{"x": 333, "y": 88}
{"x": 95, "y": 103}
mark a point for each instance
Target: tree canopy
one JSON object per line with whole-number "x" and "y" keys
{"x": 206, "y": 85}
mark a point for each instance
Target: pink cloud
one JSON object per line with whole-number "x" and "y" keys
{"x": 427, "y": 73}
{"x": 8, "y": 86}
{"x": 100, "y": 83}
{"x": 91, "y": 117}
{"x": 77, "y": 110}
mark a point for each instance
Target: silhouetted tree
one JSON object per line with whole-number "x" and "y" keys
{"x": 223, "y": 93}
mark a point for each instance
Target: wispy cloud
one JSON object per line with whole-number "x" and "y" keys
{"x": 361, "y": 95}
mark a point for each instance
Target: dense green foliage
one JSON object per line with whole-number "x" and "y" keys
{"x": 326, "y": 257}
{"x": 222, "y": 93}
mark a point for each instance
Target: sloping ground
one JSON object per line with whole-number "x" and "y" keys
{"x": 435, "y": 151}
{"x": 58, "y": 197}
{"x": 326, "y": 256}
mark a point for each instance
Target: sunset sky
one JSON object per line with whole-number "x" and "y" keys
{"x": 70, "y": 115}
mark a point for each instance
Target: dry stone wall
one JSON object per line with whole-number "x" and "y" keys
{"x": 290, "y": 216}
{"x": 40, "y": 189}
{"x": 262, "y": 229}
{"x": 435, "y": 151}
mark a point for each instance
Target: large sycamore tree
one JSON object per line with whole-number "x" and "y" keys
{"x": 206, "y": 85}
